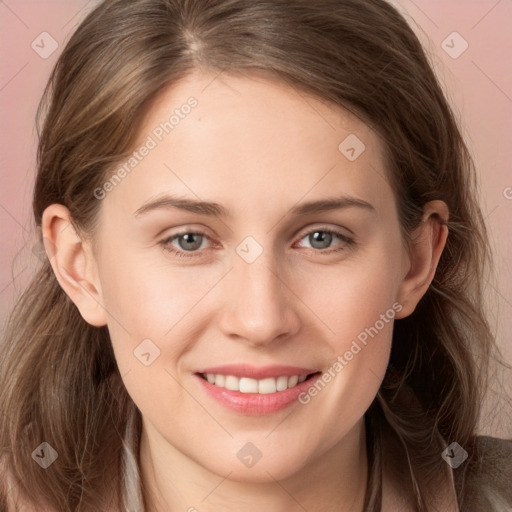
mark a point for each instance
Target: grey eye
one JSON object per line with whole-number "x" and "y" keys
{"x": 320, "y": 239}
{"x": 189, "y": 241}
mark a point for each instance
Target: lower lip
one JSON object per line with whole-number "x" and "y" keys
{"x": 256, "y": 404}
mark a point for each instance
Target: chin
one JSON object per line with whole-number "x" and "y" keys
{"x": 257, "y": 466}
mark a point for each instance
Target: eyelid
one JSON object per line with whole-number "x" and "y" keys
{"x": 338, "y": 230}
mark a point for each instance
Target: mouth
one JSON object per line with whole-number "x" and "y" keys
{"x": 266, "y": 386}
{"x": 255, "y": 392}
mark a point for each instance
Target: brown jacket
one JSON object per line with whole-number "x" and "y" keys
{"x": 484, "y": 480}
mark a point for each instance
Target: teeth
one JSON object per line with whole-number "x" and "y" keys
{"x": 232, "y": 383}
{"x": 292, "y": 381}
{"x": 248, "y": 385}
{"x": 267, "y": 386}
{"x": 282, "y": 383}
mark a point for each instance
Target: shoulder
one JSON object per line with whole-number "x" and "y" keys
{"x": 483, "y": 480}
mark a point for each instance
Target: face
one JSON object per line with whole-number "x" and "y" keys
{"x": 261, "y": 287}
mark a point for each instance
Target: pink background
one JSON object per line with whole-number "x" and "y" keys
{"x": 478, "y": 82}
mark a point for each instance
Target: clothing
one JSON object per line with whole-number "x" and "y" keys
{"x": 484, "y": 480}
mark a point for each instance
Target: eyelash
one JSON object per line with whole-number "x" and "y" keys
{"x": 166, "y": 243}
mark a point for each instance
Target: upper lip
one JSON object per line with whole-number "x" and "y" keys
{"x": 263, "y": 372}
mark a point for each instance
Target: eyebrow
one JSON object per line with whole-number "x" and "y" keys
{"x": 215, "y": 209}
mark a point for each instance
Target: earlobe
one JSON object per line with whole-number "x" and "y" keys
{"x": 73, "y": 263}
{"x": 426, "y": 248}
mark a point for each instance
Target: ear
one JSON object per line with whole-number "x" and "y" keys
{"x": 73, "y": 263}
{"x": 426, "y": 247}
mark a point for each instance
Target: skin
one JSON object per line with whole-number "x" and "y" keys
{"x": 259, "y": 148}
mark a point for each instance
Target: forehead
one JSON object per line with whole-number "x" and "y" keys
{"x": 252, "y": 139}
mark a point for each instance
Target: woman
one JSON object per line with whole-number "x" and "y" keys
{"x": 264, "y": 276}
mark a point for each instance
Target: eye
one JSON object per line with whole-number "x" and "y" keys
{"x": 187, "y": 242}
{"x": 321, "y": 239}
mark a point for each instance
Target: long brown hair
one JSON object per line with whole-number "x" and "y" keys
{"x": 59, "y": 382}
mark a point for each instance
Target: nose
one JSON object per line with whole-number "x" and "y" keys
{"x": 258, "y": 306}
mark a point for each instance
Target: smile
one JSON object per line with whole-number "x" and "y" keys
{"x": 252, "y": 391}
{"x": 249, "y": 385}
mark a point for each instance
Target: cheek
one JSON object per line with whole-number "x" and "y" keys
{"x": 352, "y": 296}
{"x": 151, "y": 309}
{"x": 361, "y": 313}
{"x": 150, "y": 297}
{"x": 356, "y": 305}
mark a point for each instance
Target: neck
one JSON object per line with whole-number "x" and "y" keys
{"x": 334, "y": 481}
